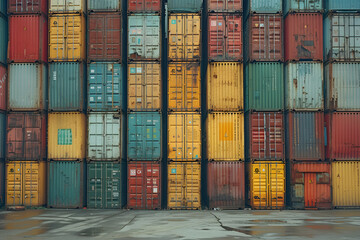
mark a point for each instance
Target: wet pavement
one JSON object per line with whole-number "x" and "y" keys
{"x": 123, "y": 224}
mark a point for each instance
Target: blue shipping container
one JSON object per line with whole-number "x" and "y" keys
{"x": 3, "y": 39}
{"x": 303, "y": 5}
{"x": 264, "y": 6}
{"x": 105, "y": 89}
{"x": 3, "y": 8}
{"x": 2, "y": 135}
{"x": 104, "y": 5}
{"x": 185, "y": 5}
{"x": 144, "y": 134}
{"x": 342, "y": 5}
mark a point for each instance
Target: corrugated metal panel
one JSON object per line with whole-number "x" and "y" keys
{"x": 345, "y": 184}
{"x": 184, "y": 185}
{"x": 184, "y": 137}
{"x": 303, "y": 5}
{"x": 67, "y": 6}
{"x": 144, "y": 136}
{"x": 3, "y": 39}
{"x": 184, "y": 86}
{"x": 2, "y": 134}
{"x": 3, "y": 8}
{"x": 104, "y": 185}
{"x": 144, "y": 86}
{"x": 306, "y": 136}
{"x": 336, "y": 5}
{"x": 27, "y": 87}
{"x": 66, "y": 184}
{"x": 265, "y": 6}
{"x": 25, "y": 183}
{"x": 265, "y": 38}
{"x": 311, "y": 185}
{"x": 343, "y": 131}
{"x": 67, "y": 37}
{"x": 225, "y": 136}
{"x": 3, "y": 88}
{"x": 144, "y": 37}
{"x": 104, "y": 5}
{"x": 265, "y": 86}
{"x": 304, "y": 86}
{"x": 225, "y": 86}
{"x": 184, "y": 37}
{"x": 104, "y": 37}
{"x": 226, "y": 185}
{"x": 144, "y": 5}
{"x": 26, "y": 136}
{"x": 105, "y": 89}
{"x": 225, "y": 5}
{"x": 144, "y": 185}
{"x": 66, "y": 136}
{"x": 185, "y": 5}
{"x": 343, "y": 86}
{"x": 104, "y": 136}
{"x": 67, "y": 89}
{"x": 2, "y": 183}
{"x": 267, "y": 136}
{"x": 267, "y": 185}
{"x": 303, "y": 36}
{"x": 27, "y": 6}
{"x": 341, "y": 32}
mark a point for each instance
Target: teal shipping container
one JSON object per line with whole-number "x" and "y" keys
{"x": 264, "y": 6}
{"x": 2, "y": 135}
{"x": 342, "y": 5}
{"x": 264, "y": 86}
{"x": 66, "y": 184}
{"x": 104, "y": 136}
{"x": 105, "y": 89}
{"x": 185, "y": 5}
{"x": 105, "y": 185}
{"x": 303, "y": 6}
{"x": 3, "y": 7}
{"x": 144, "y": 136}
{"x": 67, "y": 89}
{"x": 103, "y": 5}
{"x": 3, "y": 39}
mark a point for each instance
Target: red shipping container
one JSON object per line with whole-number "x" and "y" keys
{"x": 311, "y": 185}
{"x": 3, "y": 80}
{"x": 104, "y": 42}
{"x": 27, "y": 6}
{"x": 225, "y": 37}
{"x": 343, "y": 131}
{"x": 265, "y": 37}
{"x": 226, "y": 185}
{"x": 28, "y": 38}
{"x": 266, "y": 136}
{"x": 225, "y": 5}
{"x": 303, "y": 36}
{"x": 142, "y": 6}
{"x": 144, "y": 185}
{"x": 26, "y": 136}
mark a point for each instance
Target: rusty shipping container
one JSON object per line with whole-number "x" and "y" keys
{"x": 264, "y": 6}
{"x": 28, "y": 39}
{"x": 305, "y": 136}
{"x": 225, "y": 35}
{"x": 144, "y": 185}
{"x": 2, "y": 134}
{"x": 104, "y": 37}
{"x": 104, "y": 5}
{"x": 26, "y": 136}
{"x": 144, "y": 86}
{"x": 311, "y": 185}
{"x": 343, "y": 131}
{"x": 67, "y": 6}
{"x": 27, "y": 6}
{"x": 226, "y": 185}
{"x": 264, "y": 38}
{"x": 184, "y": 37}
{"x": 225, "y": 5}
{"x": 3, "y": 88}
{"x": 142, "y": 6}
{"x": 303, "y": 39}
{"x": 267, "y": 140}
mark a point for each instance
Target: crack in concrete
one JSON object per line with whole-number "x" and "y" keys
{"x": 229, "y": 228}
{"x": 131, "y": 220}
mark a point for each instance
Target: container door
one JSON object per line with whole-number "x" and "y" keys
{"x": 73, "y": 36}
{"x": 31, "y": 184}
{"x": 112, "y": 37}
{"x": 57, "y": 37}
{"x": 135, "y": 189}
{"x": 14, "y": 193}
{"x": 176, "y": 186}
{"x": 191, "y": 199}
{"x": 310, "y": 190}
{"x": 233, "y": 47}
{"x": 95, "y": 199}
{"x": 259, "y": 186}
{"x": 111, "y": 189}
{"x": 113, "y": 93}
{"x": 276, "y": 185}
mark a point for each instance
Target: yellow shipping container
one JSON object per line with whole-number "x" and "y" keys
{"x": 267, "y": 185}
{"x": 184, "y": 86}
{"x": 225, "y": 86}
{"x": 184, "y": 36}
{"x": 67, "y": 37}
{"x": 346, "y": 183}
{"x": 144, "y": 83}
{"x": 184, "y": 185}
{"x": 225, "y": 136}
{"x": 66, "y": 6}
{"x": 184, "y": 137}
{"x": 66, "y": 136}
{"x": 25, "y": 183}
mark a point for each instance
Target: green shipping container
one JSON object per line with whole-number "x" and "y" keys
{"x": 104, "y": 185}
{"x": 264, "y": 86}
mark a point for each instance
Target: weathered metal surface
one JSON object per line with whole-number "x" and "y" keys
{"x": 27, "y": 6}
{"x": 3, "y": 88}
{"x": 3, "y": 39}
{"x": 344, "y": 5}
{"x": 225, "y": 5}
{"x": 303, "y": 6}
{"x": 2, "y": 134}
{"x": 185, "y": 5}
{"x": 144, "y": 5}
{"x": 104, "y": 5}
{"x": 67, "y": 6}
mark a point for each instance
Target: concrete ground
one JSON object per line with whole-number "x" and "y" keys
{"x": 123, "y": 224}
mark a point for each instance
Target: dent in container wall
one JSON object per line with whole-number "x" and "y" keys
{"x": 4, "y": 38}
{"x": 105, "y": 87}
{"x": 311, "y": 185}
{"x": 104, "y": 5}
{"x": 344, "y": 5}
{"x": 303, "y": 6}
{"x": 185, "y": 5}
{"x": 27, "y": 6}
{"x": 26, "y": 136}
{"x": 61, "y": 6}
{"x": 264, "y": 6}
{"x": 303, "y": 37}
{"x": 2, "y": 134}
{"x": 144, "y": 185}
{"x": 225, "y": 5}
{"x": 3, "y": 88}
{"x": 265, "y": 37}
{"x": 225, "y": 37}
{"x": 144, "y": 5}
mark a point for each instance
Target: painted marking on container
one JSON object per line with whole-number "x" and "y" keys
{"x": 64, "y": 137}
{"x": 139, "y": 70}
{"x": 213, "y": 23}
{"x": 173, "y": 21}
{"x": 173, "y": 170}
{"x": 132, "y": 70}
{"x": 132, "y": 172}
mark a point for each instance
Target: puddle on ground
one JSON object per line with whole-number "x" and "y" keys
{"x": 34, "y": 232}
{"x": 267, "y": 221}
{"x": 22, "y": 215}
{"x": 91, "y": 232}
{"x": 21, "y": 224}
